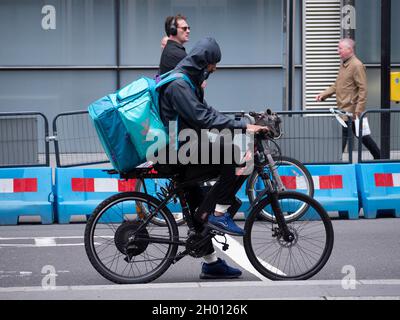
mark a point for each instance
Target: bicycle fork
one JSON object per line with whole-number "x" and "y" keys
{"x": 288, "y": 236}
{"x": 275, "y": 174}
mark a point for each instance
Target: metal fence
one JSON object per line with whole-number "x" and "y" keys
{"x": 385, "y": 131}
{"x": 24, "y": 139}
{"x": 76, "y": 141}
{"x": 313, "y": 137}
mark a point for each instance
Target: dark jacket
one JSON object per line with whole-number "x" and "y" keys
{"x": 172, "y": 54}
{"x": 179, "y": 100}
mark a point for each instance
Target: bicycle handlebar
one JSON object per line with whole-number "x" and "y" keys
{"x": 267, "y": 119}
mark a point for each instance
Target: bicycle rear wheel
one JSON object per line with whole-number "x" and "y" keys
{"x": 296, "y": 177}
{"x": 278, "y": 259}
{"x": 123, "y": 245}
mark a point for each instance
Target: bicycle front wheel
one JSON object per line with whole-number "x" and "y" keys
{"x": 124, "y": 245}
{"x": 295, "y": 177}
{"x": 299, "y": 259}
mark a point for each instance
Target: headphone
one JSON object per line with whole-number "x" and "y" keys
{"x": 173, "y": 31}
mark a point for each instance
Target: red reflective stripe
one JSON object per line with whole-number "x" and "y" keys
{"x": 331, "y": 182}
{"x": 82, "y": 184}
{"x": 126, "y": 185}
{"x": 289, "y": 182}
{"x": 25, "y": 185}
{"x": 384, "y": 180}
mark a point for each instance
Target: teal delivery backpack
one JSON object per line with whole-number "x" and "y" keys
{"x": 113, "y": 136}
{"x": 123, "y": 121}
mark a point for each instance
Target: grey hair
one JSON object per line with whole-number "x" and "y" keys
{"x": 349, "y": 43}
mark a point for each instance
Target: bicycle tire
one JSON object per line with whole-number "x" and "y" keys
{"x": 115, "y": 233}
{"x": 179, "y": 219}
{"x": 300, "y": 169}
{"x": 269, "y": 253}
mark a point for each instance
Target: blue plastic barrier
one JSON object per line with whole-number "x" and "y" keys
{"x": 379, "y": 187}
{"x": 79, "y": 191}
{"x": 25, "y": 192}
{"x": 335, "y": 188}
{"x": 242, "y": 195}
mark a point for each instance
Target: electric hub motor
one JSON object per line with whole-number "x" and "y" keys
{"x": 129, "y": 241}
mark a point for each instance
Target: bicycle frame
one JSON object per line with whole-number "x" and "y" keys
{"x": 262, "y": 156}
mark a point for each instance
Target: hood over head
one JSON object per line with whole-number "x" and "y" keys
{"x": 205, "y": 52}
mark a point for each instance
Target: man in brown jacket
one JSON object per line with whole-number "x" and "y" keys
{"x": 351, "y": 91}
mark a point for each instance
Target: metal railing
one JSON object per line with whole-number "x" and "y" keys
{"x": 313, "y": 137}
{"x": 75, "y": 140}
{"x": 24, "y": 139}
{"x": 384, "y": 125}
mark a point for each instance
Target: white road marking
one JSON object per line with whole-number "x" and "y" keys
{"x": 45, "y": 242}
{"x": 38, "y": 242}
{"x": 21, "y": 274}
{"x": 18, "y": 245}
{"x": 30, "y": 238}
{"x": 237, "y": 253}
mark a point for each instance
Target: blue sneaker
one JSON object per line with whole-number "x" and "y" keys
{"x": 219, "y": 270}
{"x": 225, "y": 224}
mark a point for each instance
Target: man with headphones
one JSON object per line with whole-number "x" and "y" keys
{"x": 178, "y": 30}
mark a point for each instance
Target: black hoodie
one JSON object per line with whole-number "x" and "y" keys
{"x": 178, "y": 100}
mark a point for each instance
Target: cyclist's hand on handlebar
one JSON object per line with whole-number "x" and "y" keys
{"x": 257, "y": 129}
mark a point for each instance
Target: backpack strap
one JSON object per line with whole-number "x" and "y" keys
{"x": 159, "y": 77}
{"x": 173, "y": 77}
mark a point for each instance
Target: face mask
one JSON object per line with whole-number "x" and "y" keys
{"x": 206, "y": 74}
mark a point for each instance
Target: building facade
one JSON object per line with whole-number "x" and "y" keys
{"x": 60, "y": 55}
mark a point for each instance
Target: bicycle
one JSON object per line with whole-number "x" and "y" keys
{"x": 125, "y": 245}
{"x": 255, "y": 184}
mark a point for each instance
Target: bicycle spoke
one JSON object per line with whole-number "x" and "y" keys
{"x": 299, "y": 258}
{"x": 130, "y": 250}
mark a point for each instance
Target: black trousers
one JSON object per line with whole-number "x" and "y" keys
{"x": 202, "y": 200}
{"x": 367, "y": 141}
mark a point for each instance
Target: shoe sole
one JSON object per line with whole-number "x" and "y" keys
{"x": 214, "y": 227}
{"x": 209, "y": 277}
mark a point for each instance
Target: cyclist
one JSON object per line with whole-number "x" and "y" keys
{"x": 179, "y": 101}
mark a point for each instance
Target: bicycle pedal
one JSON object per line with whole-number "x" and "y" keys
{"x": 216, "y": 232}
